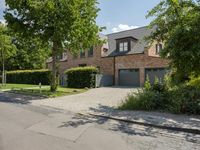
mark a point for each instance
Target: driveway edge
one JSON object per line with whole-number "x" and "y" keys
{"x": 179, "y": 129}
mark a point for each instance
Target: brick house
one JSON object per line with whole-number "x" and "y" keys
{"x": 126, "y": 56}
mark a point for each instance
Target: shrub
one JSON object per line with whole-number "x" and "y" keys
{"x": 147, "y": 84}
{"x": 179, "y": 99}
{"x": 158, "y": 87}
{"x": 81, "y": 77}
{"x": 144, "y": 100}
{"x": 29, "y": 77}
{"x": 188, "y": 98}
{"x": 194, "y": 82}
{"x": 133, "y": 101}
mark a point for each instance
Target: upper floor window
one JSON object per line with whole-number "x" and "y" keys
{"x": 123, "y": 46}
{"x": 82, "y": 54}
{"x": 62, "y": 56}
{"x": 90, "y": 52}
{"x": 75, "y": 56}
{"x": 59, "y": 57}
{"x": 158, "y": 48}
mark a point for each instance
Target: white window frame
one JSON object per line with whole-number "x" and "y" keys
{"x": 123, "y": 46}
{"x": 158, "y": 48}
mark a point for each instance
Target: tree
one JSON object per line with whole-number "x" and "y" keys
{"x": 30, "y": 54}
{"x": 177, "y": 25}
{"x": 7, "y": 49}
{"x": 69, "y": 24}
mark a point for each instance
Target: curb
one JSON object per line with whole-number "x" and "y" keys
{"x": 186, "y": 130}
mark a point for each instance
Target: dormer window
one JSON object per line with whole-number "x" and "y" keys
{"x": 158, "y": 48}
{"x": 123, "y": 46}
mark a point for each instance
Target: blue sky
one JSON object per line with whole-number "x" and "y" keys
{"x": 118, "y": 15}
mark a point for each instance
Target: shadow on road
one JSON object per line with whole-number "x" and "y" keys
{"x": 7, "y": 97}
{"x": 123, "y": 127}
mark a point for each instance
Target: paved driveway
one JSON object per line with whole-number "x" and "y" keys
{"x": 94, "y": 99}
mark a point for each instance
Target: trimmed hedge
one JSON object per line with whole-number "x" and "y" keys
{"x": 81, "y": 77}
{"x": 29, "y": 77}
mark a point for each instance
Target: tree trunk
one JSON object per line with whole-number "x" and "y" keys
{"x": 54, "y": 81}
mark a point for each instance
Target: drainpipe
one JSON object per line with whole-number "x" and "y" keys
{"x": 114, "y": 69}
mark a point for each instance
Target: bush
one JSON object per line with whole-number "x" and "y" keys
{"x": 81, "y": 77}
{"x": 147, "y": 84}
{"x": 134, "y": 102}
{"x": 145, "y": 100}
{"x": 29, "y": 77}
{"x": 180, "y": 99}
{"x": 188, "y": 98}
{"x": 194, "y": 82}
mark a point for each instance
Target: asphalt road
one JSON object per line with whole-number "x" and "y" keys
{"x": 27, "y": 127}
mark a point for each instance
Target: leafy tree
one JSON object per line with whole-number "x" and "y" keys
{"x": 177, "y": 25}
{"x": 21, "y": 54}
{"x": 63, "y": 24}
{"x": 30, "y": 54}
{"x": 7, "y": 48}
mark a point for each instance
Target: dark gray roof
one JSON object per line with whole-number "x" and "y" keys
{"x": 139, "y": 46}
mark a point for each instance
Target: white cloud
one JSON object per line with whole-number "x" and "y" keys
{"x": 3, "y": 21}
{"x": 123, "y": 27}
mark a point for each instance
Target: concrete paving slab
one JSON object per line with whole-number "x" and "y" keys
{"x": 98, "y": 139}
{"x": 60, "y": 126}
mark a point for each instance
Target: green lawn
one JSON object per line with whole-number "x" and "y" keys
{"x": 34, "y": 90}
{"x": 18, "y": 86}
{"x": 45, "y": 92}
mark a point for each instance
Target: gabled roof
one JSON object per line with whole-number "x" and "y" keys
{"x": 140, "y": 43}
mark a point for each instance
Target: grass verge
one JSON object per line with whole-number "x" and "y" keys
{"x": 13, "y": 86}
{"x": 45, "y": 92}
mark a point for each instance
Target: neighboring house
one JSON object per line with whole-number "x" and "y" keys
{"x": 126, "y": 56}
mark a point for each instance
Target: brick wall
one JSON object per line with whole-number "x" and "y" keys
{"x": 106, "y": 64}
{"x": 139, "y": 61}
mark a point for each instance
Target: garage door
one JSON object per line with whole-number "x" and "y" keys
{"x": 129, "y": 77}
{"x": 155, "y": 72}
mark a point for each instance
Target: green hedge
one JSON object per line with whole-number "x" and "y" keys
{"x": 29, "y": 77}
{"x": 81, "y": 77}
